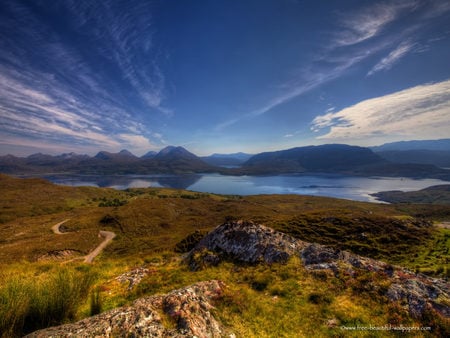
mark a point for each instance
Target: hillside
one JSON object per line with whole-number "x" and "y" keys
{"x": 155, "y": 227}
{"x": 439, "y": 194}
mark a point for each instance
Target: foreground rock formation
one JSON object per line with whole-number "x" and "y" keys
{"x": 248, "y": 242}
{"x": 188, "y": 310}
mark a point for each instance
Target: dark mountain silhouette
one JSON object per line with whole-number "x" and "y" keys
{"x": 435, "y": 152}
{"x": 330, "y": 158}
{"x": 440, "y": 158}
{"x": 324, "y": 158}
{"x": 149, "y": 154}
{"x": 224, "y": 160}
{"x": 122, "y": 155}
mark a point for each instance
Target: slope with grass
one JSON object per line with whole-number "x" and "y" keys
{"x": 154, "y": 225}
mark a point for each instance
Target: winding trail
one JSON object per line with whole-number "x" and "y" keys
{"x": 107, "y": 235}
{"x": 56, "y": 229}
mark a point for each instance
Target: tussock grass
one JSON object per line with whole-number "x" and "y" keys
{"x": 40, "y": 297}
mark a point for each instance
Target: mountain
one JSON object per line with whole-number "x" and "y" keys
{"x": 442, "y": 144}
{"x": 120, "y": 156}
{"x": 227, "y": 160}
{"x": 149, "y": 154}
{"x": 434, "y": 152}
{"x": 177, "y": 160}
{"x": 439, "y": 158}
{"x": 330, "y": 158}
{"x": 335, "y": 158}
{"x": 324, "y": 158}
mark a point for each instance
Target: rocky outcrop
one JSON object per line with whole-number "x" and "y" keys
{"x": 181, "y": 313}
{"x": 244, "y": 242}
{"x": 252, "y": 243}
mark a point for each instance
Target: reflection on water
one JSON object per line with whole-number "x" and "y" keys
{"x": 122, "y": 182}
{"x": 348, "y": 187}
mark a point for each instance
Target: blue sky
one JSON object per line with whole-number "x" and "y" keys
{"x": 221, "y": 75}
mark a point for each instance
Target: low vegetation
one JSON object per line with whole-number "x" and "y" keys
{"x": 155, "y": 226}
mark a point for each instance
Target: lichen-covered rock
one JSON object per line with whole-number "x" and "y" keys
{"x": 189, "y": 309}
{"x": 133, "y": 277}
{"x": 253, "y": 243}
{"x": 246, "y": 242}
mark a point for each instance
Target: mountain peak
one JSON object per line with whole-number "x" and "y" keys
{"x": 126, "y": 152}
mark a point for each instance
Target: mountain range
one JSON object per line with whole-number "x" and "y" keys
{"x": 329, "y": 158}
{"x": 435, "y": 152}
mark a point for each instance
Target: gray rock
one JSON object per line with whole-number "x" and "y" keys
{"x": 189, "y": 308}
{"x": 246, "y": 242}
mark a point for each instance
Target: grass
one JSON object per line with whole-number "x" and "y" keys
{"x": 46, "y": 296}
{"x": 155, "y": 225}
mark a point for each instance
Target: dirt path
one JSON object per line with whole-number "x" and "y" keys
{"x": 107, "y": 235}
{"x": 445, "y": 225}
{"x": 56, "y": 230}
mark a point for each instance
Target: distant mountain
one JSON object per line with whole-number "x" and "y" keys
{"x": 440, "y": 158}
{"x": 120, "y": 156}
{"x": 331, "y": 158}
{"x": 177, "y": 153}
{"x": 442, "y": 144}
{"x": 324, "y": 158}
{"x": 149, "y": 154}
{"x": 435, "y": 152}
{"x": 335, "y": 158}
{"x": 177, "y": 160}
{"x": 226, "y": 160}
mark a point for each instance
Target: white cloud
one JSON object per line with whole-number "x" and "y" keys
{"x": 138, "y": 143}
{"x": 370, "y": 21}
{"x": 395, "y": 55}
{"x": 421, "y": 112}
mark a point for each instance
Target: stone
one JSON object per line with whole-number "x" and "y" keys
{"x": 189, "y": 308}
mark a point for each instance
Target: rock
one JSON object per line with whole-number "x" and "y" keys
{"x": 253, "y": 243}
{"x": 244, "y": 242}
{"x": 133, "y": 277}
{"x": 189, "y": 309}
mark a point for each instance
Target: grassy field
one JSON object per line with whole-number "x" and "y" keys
{"x": 149, "y": 224}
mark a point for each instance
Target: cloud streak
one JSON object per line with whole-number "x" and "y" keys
{"x": 52, "y": 90}
{"x": 393, "y": 57}
{"x": 421, "y": 112}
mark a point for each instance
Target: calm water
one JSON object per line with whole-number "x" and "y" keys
{"x": 348, "y": 187}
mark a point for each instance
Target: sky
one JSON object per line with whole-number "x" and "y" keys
{"x": 221, "y": 76}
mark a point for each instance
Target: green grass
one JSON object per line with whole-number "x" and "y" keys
{"x": 46, "y": 296}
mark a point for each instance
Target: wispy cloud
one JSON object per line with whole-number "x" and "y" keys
{"x": 393, "y": 57}
{"x": 420, "y": 112}
{"x": 52, "y": 89}
{"x": 368, "y": 22}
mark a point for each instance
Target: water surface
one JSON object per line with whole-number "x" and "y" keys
{"x": 340, "y": 186}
